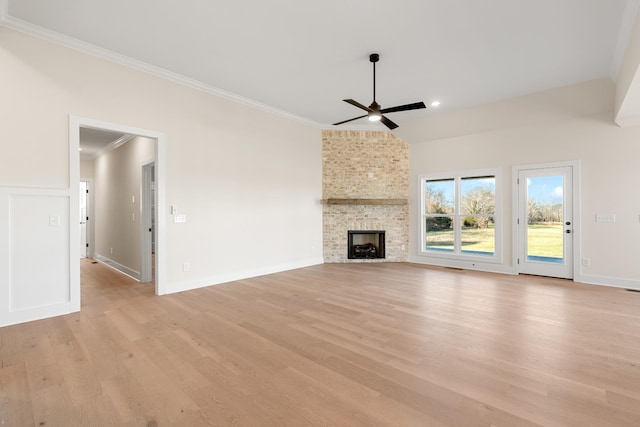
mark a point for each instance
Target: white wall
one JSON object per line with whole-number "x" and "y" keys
{"x": 87, "y": 169}
{"x": 566, "y": 124}
{"x": 118, "y": 176}
{"x": 248, "y": 180}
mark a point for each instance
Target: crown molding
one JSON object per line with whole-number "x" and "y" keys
{"x": 51, "y": 36}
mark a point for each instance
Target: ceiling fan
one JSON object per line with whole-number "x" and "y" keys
{"x": 374, "y": 111}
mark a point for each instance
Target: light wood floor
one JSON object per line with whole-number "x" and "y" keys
{"x": 336, "y": 344}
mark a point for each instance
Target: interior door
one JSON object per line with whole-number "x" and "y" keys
{"x": 84, "y": 242}
{"x": 545, "y": 221}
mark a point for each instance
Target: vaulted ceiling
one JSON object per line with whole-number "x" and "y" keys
{"x": 302, "y": 58}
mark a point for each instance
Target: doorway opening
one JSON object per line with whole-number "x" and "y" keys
{"x": 150, "y": 198}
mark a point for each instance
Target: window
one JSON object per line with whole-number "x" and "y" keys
{"x": 459, "y": 215}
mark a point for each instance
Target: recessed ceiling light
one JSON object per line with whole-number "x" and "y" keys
{"x": 435, "y": 104}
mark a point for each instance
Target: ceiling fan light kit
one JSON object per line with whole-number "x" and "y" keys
{"x": 374, "y": 116}
{"x": 374, "y": 111}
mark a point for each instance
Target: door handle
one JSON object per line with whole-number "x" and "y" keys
{"x": 568, "y": 231}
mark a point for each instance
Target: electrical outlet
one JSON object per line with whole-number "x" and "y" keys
{"x": 185, "y": 266}
{"x": 111, "y": 251}
{"x": 586, "y": 262}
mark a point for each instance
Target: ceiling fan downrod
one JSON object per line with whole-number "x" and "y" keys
{"x": 374, "y": 57}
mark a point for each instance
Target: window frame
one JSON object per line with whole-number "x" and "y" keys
{"x": 457, "y": 215}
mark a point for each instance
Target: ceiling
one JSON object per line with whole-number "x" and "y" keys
{"x": 94, "y": 142}
{"x": 302, "y": 58}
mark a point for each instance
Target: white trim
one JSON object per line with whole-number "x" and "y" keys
{"x": 117, "y": 266}
{"x": 90, "y": 228}
{"x": 577, "y": 214}
{"x": 74, "y": 216}
{"x": 111, "y": 146}
{"x": 93, "y": 50}
{"x": 624, "y": 34}
{"x": 8, "y": 315}
{"x": 470, "y": 261}
{"x": 240, "y": 275}
{"x": 36, "y": 313}
{"x": 146, "y": 263}
{"x": 614, "y": 282}
{"x": 75, "y": 123}
{"x": 466, "y": 264}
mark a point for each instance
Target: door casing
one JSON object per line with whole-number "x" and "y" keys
{"x": 146, "y": 223}
{"x": 85, "y": 240}
{"x": 575, "y": 207}
{"x": 77, "y": 122}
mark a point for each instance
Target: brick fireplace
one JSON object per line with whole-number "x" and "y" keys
{"x": 365, "y": 187}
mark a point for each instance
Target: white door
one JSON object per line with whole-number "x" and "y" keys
{"x": 545, "y": 221}
{"x": 84, "y": 242}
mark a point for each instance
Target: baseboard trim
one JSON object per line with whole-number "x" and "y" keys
{"x": 614, "y": 282}
{"x": 466, "y": 265}
{"x": 117, "y": 266}
{"x": 240, "y": 275}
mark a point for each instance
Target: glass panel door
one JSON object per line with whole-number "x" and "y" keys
{"x": 545, "y": 222}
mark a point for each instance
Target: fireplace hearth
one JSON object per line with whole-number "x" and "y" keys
{"x": 366, "y": 244}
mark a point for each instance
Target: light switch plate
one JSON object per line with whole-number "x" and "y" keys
{"x": 606, "y": 217}
{"x": 179, "y": 218}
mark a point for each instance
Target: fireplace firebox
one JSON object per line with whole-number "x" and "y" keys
{"x": 365, "y": 244}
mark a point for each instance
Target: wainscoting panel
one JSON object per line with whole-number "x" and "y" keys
{"x": 34, "y": 254}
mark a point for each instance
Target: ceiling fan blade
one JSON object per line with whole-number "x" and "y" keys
{"x": 356, "y": 104}
{"x": 388, "y": 123}
{"x": 350, "y": 120}
{"x": 414, "y": 106}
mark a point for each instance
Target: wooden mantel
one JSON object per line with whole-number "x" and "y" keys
{"x": 367, "y": 201}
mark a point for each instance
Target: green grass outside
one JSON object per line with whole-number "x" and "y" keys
{"x": 544, "y": 240}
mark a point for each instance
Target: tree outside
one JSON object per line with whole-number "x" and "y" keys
{"x": 437, "y": 202}
{"x": 477, "y": 210}
{"x": 544, "y": 218}
{"x": 479, "y": 201}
